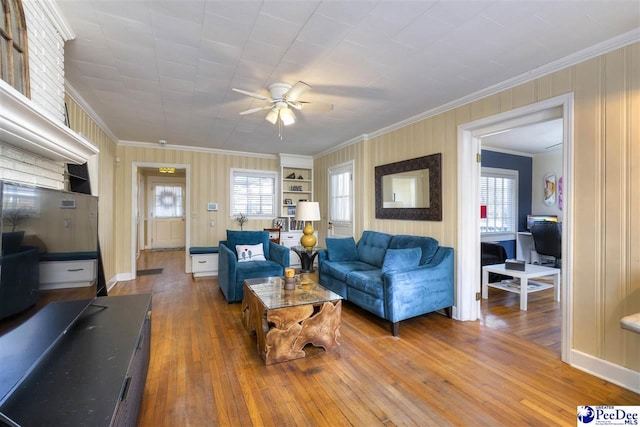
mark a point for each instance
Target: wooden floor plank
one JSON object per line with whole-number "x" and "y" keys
{"x": 205, "y": 368}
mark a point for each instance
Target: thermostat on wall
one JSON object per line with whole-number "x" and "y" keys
{"x": 212, "y": 206}
{"x": 67, "y": 204}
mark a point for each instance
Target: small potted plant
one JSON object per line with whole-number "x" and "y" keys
{"x": 242, "y": 220}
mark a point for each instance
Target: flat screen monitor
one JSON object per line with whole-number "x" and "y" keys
{"x": 533, "y": 218}
{"x": 59, "y": 225}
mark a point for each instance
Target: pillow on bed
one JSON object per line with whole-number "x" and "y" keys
{"x": 250, "y": 253}
{"x": 401, "y": 259}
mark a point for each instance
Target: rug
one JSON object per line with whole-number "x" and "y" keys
{"x": 149, "y": 271}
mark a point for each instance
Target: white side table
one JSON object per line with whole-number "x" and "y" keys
{"x": 530, "y": 271}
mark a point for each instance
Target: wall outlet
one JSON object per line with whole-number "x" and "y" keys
{"x": 211, "y": 223}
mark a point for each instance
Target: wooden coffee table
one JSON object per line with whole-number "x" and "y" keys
{"x": 285, "y": 321}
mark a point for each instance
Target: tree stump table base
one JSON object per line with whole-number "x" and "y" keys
{"x": 285, "y": 321}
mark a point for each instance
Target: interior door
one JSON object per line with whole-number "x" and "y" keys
{"x": 167, "y": 215}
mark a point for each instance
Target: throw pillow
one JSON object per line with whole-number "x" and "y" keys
{"x": 400, "y": 259}
{"x": 250, "y": 253}
{"x": 341, "y": 249}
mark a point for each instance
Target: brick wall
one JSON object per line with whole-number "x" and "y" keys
{"x": 46, "y": 69}
{"x": 46, "y": 59}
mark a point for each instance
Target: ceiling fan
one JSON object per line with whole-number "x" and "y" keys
{"x": 283, "y": 96}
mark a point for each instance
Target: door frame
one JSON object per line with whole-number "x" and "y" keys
{"x": 468, "y": 241}
{"x": 135, "y": 208}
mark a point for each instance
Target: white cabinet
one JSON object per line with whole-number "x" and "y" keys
{"x": 67, "y": 274}
{"x": 204, "y": 265}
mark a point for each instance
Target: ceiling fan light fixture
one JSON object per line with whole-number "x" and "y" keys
{"x": 287, "y": 117}
{"x": 272, "y": 117}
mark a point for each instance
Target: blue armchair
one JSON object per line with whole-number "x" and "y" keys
{"x": 232, "y": 273}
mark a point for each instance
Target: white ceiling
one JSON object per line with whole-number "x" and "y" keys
{"x": 528, "y": 139}
{"x": 158, "y": 70}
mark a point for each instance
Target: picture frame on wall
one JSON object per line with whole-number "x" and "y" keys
{"x": 550, "y": 189}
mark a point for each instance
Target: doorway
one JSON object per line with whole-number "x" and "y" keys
{"x": 468, "y": 254}
{"x": 174, "y": 225}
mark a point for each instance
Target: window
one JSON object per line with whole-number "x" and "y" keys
{"x": 341, "y": 200}
{"x": 498, "y": 201}
{"x": 14, "y": 67}
{"x": 340, "y": 195}
{"x": 168, "y": 201}
{"x": 253, "y": 193}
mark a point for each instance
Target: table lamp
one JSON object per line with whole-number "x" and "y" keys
{"x": 308, "y": 211}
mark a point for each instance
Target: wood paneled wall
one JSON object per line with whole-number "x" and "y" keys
{"x": 209, "y": 178}
{"x": 606, "y": 256}
{"x": 82, "y": 123}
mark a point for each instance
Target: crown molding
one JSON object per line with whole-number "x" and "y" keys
{"x": 57, "y": 18}
{"x": 26, "y": 125}
{"x": 157, "y": 146}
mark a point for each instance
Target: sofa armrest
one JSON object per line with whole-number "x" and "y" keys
{"x": 420, "y": 290}
{"x": 227, "y": 266}
{"x": 280, "y": 254}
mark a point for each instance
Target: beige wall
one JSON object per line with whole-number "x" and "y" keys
{"x": 606, "y": 264}
{"x": 209, "y": 183}
{"x": 82, "y": 123}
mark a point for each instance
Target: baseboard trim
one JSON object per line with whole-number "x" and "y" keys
{"x": 616, "y": 374}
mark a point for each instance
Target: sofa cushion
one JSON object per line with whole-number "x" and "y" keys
{"x": 340, "y": 269}
{"x": 341, "y": 249}
{"x": 248, "y": 253}
{"x": 235, "y": 237}
{"x": 429, "y": 245}
{"x": 369, "y": 282}
{"x": 401, "y": 259}
{"x": 252, "y": 270}
{"x": 372, "y": 246}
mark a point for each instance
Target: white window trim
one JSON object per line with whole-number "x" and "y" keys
{"x": 256, "y": 172}
{"x": 503, "y": 235}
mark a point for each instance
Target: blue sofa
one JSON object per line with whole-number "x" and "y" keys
{"x": 232, "y": 272}
{"x": 393, "y": 277}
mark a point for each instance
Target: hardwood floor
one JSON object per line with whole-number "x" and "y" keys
{"x": 205, "y": 369}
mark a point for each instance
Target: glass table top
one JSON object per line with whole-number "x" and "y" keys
{"x": 271, "y": 292}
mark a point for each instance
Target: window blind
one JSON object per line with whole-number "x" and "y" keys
{"x": 253, "y": 193}
{"x": 498, "y": 199}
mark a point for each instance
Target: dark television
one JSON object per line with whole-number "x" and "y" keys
{"x": 40, "y": 224}
{"x": 533, "y": 218}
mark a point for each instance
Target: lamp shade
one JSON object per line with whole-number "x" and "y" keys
{"x": 272, "y": 117}
{"x": 287, "y": 117}
{"x": 308, "y": 211}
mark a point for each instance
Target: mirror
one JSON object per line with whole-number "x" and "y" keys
{"x": 410, "y": 189}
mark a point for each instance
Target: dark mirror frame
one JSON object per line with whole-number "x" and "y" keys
{"x": 432, "y": 162}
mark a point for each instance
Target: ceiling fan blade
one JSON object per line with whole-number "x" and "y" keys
{"x": 296, "y": 90}
{"x": 252, "y": 94}
{"x": 297, "y": 105}
{"x": 255, "y": 110}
